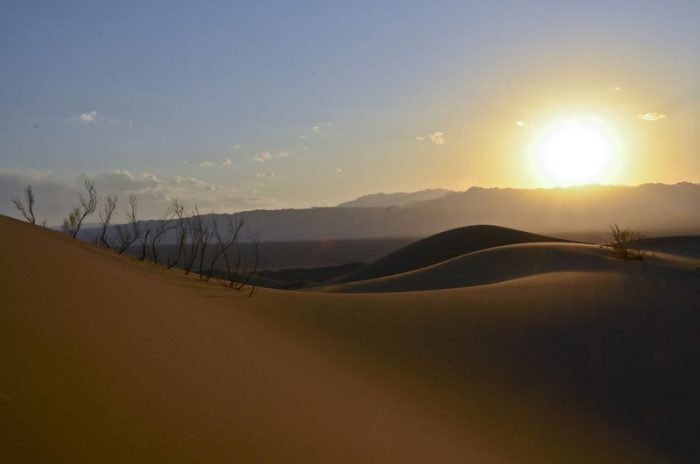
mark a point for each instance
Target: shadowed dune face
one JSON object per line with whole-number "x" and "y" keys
{"x": 508, "y": 262}
{"x": 686, "y": 245}
{"x": 108, "y": 360}
{"x": 441, "y": 247}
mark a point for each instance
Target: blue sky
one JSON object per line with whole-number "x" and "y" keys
{"x": 275, "y": 104}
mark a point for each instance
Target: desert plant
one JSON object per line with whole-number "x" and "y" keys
{"x": 128, "y": 233}
{"x": 26, "y": 206}
{"x": 225, "y": 242}
{"x": 175, "y": 210}
{"x": 88, "y": 205}
{"x": 180, "y": 226}
{"x": 199, "y": 236}
{"x": 255, "y": 240}
{"x": 623, "y": 243}
{"x": 106, "y": 217}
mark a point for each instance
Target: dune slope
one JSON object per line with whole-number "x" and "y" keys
{"x": 441, "y": 247}
{"x": 684, "y": 245}
{"x": 508, "y": 262}
{"x": 109, "y": 360}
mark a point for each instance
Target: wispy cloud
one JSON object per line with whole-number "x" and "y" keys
{"x": 321, "y": 130}
{"x": 653, "y": 116}
{"x": 266, "y": 174}
{"x": 100, "y": 119}
{"x": 437, "y": 138}
{"x": 615, "y": 89}
{"x": 223, "y": 162}
{"x": 265, "y": 156}
{"x": 90, "y": 116}
{"x": 521, "y": 124}
{"x": 56, "y": 195}
{"x": 262, "y": 157}
{"x": 338, "y": 170}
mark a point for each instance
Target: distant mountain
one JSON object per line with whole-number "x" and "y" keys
{"x": 582, "y": 213}
{"x": 394, "y": 199}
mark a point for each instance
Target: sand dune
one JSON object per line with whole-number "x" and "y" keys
{"x": 687, "y": 245}
{"x": 105, "y": 359}
{"x": 441, "y": 247}
{"x": 508, "y": 262}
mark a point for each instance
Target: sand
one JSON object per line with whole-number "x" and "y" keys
{"x": 508, "y": 262}
{"x": 105, "y": 359}
{"x": 441, "y": 247}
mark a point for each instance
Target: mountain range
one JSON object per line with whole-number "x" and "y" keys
{"x": 573, "y": 212}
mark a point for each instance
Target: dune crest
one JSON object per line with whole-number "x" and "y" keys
{"x": 441, "y": 247}
{"x": 503, "y": 263}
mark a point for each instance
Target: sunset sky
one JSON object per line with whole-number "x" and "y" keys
{"x": 243, "y": 105}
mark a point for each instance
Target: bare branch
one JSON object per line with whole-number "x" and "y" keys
{"x": 225, "y": 242}
{"x": 179, "y": 213}
{"x": 26, "y": 206}
{"x": 88, "y": 205}
{"x": 106, "y": 217}
{"x": 128, "y": 233}
{"x": 623, "y": 243}
{"x": 164, "y": 225}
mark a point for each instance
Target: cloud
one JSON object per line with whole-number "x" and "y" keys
{"x": 284, "y": 154}
{"x": 319, "y": 130}
{"x": 223, "y": 162}
{"x": 266, "y": 174}
{"x": 55, "y": 195}
{"x": 262, "y": 157}
{"x": 93, "y": 118}
{"x": 614, "y": 89}
{"x": 437, "y": 138}
{"x": 90, "y": 116}
{"x": 338, "y": 170}
{"x": 653, "y": 116}
{"x": 520, "y": 124}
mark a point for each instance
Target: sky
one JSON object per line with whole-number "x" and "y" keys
{"x": 245, "y": 105}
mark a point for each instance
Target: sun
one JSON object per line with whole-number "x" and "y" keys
{"x": 575, "y": 152}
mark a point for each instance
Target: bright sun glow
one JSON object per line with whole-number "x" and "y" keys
{"x": 575, "y": 152}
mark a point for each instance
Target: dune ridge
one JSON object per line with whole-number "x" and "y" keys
{"x": 508, "y": 262}
{"x": 441, "y": 247}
